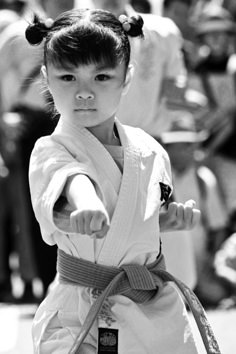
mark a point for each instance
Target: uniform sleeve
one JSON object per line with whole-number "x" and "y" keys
{"x": 15, "y": 51}
{"x": 175, "y": 67}
{"x": 50, "y": 166}
{"x": 162, "y": 164}
{"x": 170, "y": 42}
{"x": 17, "y": 61}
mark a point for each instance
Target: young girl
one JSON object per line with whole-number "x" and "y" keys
{"x": 97, "y": 187}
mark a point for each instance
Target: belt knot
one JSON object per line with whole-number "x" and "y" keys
{"x": 139, "y": 277}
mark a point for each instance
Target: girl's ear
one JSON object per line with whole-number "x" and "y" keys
{"x": 44, "y": 72}
{"x": 128, "y": 78}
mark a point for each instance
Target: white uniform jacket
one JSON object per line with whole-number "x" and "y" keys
{"x": 133, "y": 201}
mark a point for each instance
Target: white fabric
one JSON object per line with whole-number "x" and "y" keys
{"x": 156, "y": 58}
{"x": 133, "y": 203}
{"x": 17, "y": 60}
{"x": 157, "y": 7}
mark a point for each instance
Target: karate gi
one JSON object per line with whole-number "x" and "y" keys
{"x": 133, "y": 200}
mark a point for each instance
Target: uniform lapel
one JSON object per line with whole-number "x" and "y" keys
{"x": 116, "y": 239}
{"x": 83, "y": 139}
{"x": 110, "y": 249}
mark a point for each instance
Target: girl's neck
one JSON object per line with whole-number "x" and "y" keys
{"x": 107, "y": 133}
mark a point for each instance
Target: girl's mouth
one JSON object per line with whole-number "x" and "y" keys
{"x": 85, "y": 110}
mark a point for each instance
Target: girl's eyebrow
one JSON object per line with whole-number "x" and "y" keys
{"x": 103, "y": 67}
{"x": 97, "y": 67}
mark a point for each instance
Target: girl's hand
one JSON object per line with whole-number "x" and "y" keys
{"x": 179, "y": 216}
{"x": 89, "y": 216}
{"x": 92, "y": 222}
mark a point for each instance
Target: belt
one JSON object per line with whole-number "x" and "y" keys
{"x": 139, "y": 283}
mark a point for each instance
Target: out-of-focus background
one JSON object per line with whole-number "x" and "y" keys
{"x": 188, "y": 64}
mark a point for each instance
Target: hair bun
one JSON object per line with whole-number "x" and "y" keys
{"x": 36, "y": 31}
{"x": 138, "y": 19}
{"x": 136, "y": 23}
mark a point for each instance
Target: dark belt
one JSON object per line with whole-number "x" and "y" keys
{"x": 137, "y": 282}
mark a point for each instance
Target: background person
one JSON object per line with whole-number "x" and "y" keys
{"x": 214, "y": 73}
{"x": 7, "y": 16}
{"x": 225, "y": 268}
{"x": 190, "y": 253}
{"x": 24, "y": 118}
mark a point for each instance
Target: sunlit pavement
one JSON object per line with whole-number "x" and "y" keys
{"x": 16, "y": 321}
{"x": 15, "y": 328}
{"x": 223, "y": 324}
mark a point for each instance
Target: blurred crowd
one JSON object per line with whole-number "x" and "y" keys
{"x": 183, "y": 94}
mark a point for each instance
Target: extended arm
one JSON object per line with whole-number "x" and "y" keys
{"x": 89, "y": 216}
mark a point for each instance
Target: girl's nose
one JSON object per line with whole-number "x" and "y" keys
{"x": 84, "y": 95}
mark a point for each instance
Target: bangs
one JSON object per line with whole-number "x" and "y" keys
{"x": 83, "y": 45}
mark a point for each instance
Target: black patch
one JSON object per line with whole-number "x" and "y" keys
{"x": 165, "y": 192}
{"x": 107, "y": 340}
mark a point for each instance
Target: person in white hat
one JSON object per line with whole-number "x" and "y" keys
{"x": 187, "y": 251}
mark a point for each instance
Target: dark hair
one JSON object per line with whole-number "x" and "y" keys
{"x": 167, "y": 3}
{"x": 143, "y": 6}
{"x": 83, "y": 36}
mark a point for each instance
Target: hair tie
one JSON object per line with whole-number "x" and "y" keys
{"x": 49, "y": 23}
{"x": 125, "y": 23}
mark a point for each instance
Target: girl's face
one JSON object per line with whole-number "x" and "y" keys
{"x": 88, "y": 95}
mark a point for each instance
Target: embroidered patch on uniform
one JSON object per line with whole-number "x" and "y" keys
{"x": 107, "y": 341}
{"x": 165, "y": 192}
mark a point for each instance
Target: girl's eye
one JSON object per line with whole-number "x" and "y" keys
{"x": 102, "y": 77}
{"x": 67, "y": 78}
